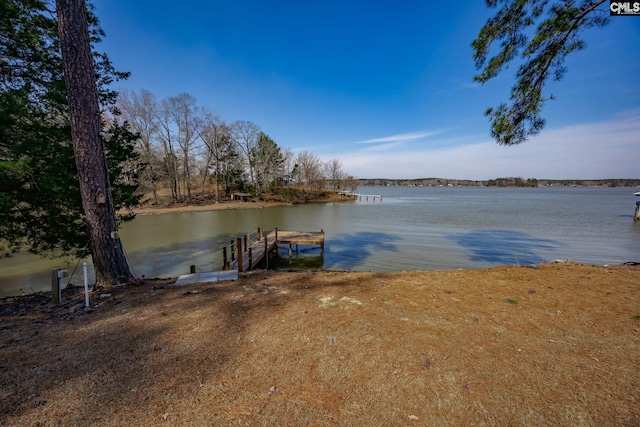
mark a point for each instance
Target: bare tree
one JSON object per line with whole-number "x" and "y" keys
{"x": 351, "y": 183}
{"x": 334, "y": 173}
{"x": 139, "y": 110}
{"x": 109, "y": 261}
{"x": 188, "y": 120}
{"x": 289, "y": 165}
{"x": 309, "y": 169}
{"x": 214, "y": 133}
{"x": 170, "y": 160}
{"x": 245, "y": 136}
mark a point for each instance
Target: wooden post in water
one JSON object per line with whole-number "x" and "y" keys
{"x": 225, "y": 261}
{"x": 250, "y": 258}
{"x": 259, "y": 233}
{"x": 266, "y": 252}
{"x": 240, "y": 268}
{"x": 233, "y": 252}
{"x": 192, "y": 269}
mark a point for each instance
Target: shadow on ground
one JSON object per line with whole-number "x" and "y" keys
{"x": 136, "y": 343}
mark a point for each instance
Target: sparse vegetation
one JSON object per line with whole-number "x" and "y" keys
{"x": 333, "y": 349}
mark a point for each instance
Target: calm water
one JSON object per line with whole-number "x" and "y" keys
{"x": 412, "y": 228}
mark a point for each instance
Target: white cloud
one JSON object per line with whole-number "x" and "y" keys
{"x": 608, "y": 149}
{"x": 402, "y": 137}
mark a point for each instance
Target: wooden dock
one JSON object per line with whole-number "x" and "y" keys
{"x": 361, "y": 196}
{"x": 245, "y": 253}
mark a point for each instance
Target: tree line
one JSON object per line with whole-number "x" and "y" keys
{"x": 500, "y": 182}
{"x": 185, "y": 146}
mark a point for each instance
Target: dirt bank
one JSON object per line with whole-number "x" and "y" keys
{"x": 200, "y": 204}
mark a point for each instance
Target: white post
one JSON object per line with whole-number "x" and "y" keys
{"x": 86, "y": 285}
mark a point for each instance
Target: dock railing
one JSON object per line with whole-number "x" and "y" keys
{"x": 244, "y": 253}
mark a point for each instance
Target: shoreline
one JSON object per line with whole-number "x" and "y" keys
{"x": 221, "y": 206}
{"x": 230, "y": 205}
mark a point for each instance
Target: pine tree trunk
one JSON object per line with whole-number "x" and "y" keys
{"x": 82, "y": 96}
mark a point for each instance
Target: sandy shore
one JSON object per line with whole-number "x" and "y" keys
{"x": 159, "y": 210}
{"x": 148, "y": 209}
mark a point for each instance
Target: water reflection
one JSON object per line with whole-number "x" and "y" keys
{"x": 305, "y": 259}
{"x": 171, "y": 261}
{"x": 413, "y": 228}
{"x": 348, "y": 251}
{"x": 504, "y": 246}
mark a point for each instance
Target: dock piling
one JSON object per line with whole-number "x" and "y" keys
{"x": 252, "y": 252}
{"x": 225, "y": 261}
{"x": 240, "y": 267}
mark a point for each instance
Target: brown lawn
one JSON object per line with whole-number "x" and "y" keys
{"x": 558, "y": 345}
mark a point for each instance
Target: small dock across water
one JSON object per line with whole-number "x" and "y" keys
{"x": 361, "y": 196}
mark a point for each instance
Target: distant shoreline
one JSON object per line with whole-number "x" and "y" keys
{"x": 149, "y": 209}
{"x": 507, "y": 182}
{"x": 221, "y": 206}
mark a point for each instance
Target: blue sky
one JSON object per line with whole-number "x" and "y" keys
{"x": 384, "y": 86}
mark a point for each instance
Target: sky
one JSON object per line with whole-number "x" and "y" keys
{"x": 384, "y": 86}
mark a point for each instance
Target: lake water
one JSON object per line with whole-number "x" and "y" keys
{"x": 423, "y": 228}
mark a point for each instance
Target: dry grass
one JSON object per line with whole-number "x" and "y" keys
{"x": 556, "y": 345}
